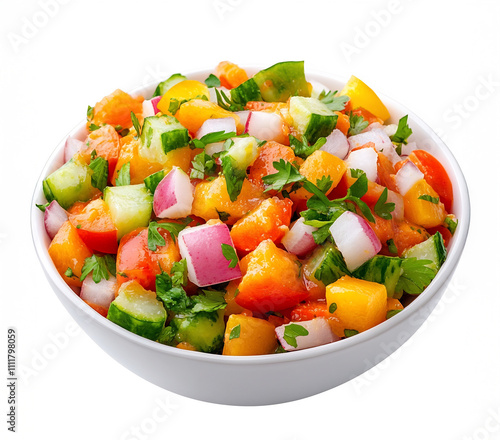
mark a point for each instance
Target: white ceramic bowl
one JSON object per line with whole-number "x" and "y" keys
{"x": 261, "y": 380}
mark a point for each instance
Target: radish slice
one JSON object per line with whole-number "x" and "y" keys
{"x": 264, "y": 126}
{"x": 202, "y": 248}
{"x": 299, "y": 239}
{"x": 53, "y": 218}
{"x": 71, "y": 147}
{"x": 336, "y": 144}
{"x": 407, "y": 176}
{"x": 318, "y": 333}
{"x": 243, "y": 114}
{"x": 365, "y": 160}
{"x": 355, "y": 239}
{"x": 150, "y": 107}
{"x": 174, "y": 195}
{"x": 101, "y": 293}
{"x": 227, "y": 125}
{"x": 399, "y": 204}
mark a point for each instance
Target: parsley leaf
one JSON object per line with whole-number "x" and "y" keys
{"x": 403, "y": 131}
{"x": 123, "y": 175}
{"x": 357, "y": 124}
{"x": 450, "y": 223}
{"x": 391, "y": 246}
{"x": 227, "y": 103}
{"x": 208, "y": 301}
{"x": 99, "y": 178}
{"x": 416, "y": 275}
{"x": 429, "y": 198}
{"x": 178, "y": 272}
{"x": 235, "y": 332}
{"x": 286, "y": 174}
{"x": 234, "y": 177}
{"x": 136, "y": 123}
{"x": 348, "y": 333}
{"x": 212, "y": 81}
{"x": 223, "y": 216}
{"x": 155, "y": 239}
{"x": 230, "y": 255}
{"x": 324, "y": 184}
{"x": 93, "y": 127}
{"x": 291, "y": 333}
{"x": 332, "y": 308}
{"x": 216, "y": 136}
{"x": 69, "y": 273}
{"x": 302, "y": 148}
{"x": 152, "y": 181}
{"x": 175, "y": 104}
{"x": 101, "y": 266}
{"x": 90, "y": 113}
{"x": 383, "y": 209}
{"x": 391, "y": 313}
{"x": 172, "y": 295}
{"x": 203, "y": 164}
{"x": 333, "y": 101}
{"x": 42, "y": 207}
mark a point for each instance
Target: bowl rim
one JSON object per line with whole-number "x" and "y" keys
{"x": 445, "y": 272}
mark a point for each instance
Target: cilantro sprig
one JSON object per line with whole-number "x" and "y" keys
{"x": 403, "y": 132}
{"x": 429, "y": 198}
{"x": 203, "y": 164}
{"x": 123, "y": 175}
{"x": 99, "y": 166}
{"x": 416, "y": 275}
{"x": 357, "y": 124}
{"x": 212, "y": 81}
{"x": 227, "y": 103}
{"x": 333, "y": 101}
{"x": 292, "y": 331}
{"x": 383, "y": 209}
{"x": 302, "y": 148}
{"x": 230, "y": 255}
{"x": 155, "y": 239}
{"x": 101, "y": 267}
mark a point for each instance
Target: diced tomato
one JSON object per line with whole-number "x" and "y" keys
{"x": 230, "y": 74}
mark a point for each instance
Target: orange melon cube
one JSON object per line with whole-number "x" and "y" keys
{"x": 423, "y": 212}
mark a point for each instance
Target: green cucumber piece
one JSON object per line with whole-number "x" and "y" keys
{"x": 243, "y": 152}
{"x": 431, "y": 249}
{"x": 383, "y": 270}
{"x": 160, "y": 135}
{"x": 69, "y": 184}
{"x": 247, "y": 91}
{"x": 130, "y": 206}
{"x": 203, "y": 330}
{"x": 137, "y": 310}
{"x": 311, "y": 118}
{"x": 327, "y": 264}
{"x": 163, "y": 87}
{"x": 281, "y": 81}
{"x": 153, "y": 180}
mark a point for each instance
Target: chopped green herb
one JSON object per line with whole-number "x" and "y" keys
{"x": 123, "y": 175}
{"x": 202, "y": 164}
{"x": 302, "y": 148}
{"x": 416, "y": 275}
{"x": 155, "y": 239}
{"x": 42, "y": 207}
{"x": 175, "y": 104}
{"x": 391, "y": 313}
{"x": 99, "y": 178}
{"x": 90, "y": 113}
{"x": 333, "y": 101}
{"x": 212, "y": 81}
{"x": 234, "y": 177}
{"x": 286, "y": 174}
{"x": 383, "y": 209}
{"x": 136, "y": 123}
{"x": 429, "y": 198}
{"x": 357, "y": 124}
{"x": 100, "y": 266}
{"x": 152, "y": 181}
{"x": 332, "y": 308}
{"x": 69, "y": 272}
{"x": 227, "y": 103}
{"x": 229, "y": 254}
{"x": 391, "y": 246}
{"x": 208, "y": 301}
{"x": 223, "y": 216}
{"x": 292, "y": 331}
{"x": 348, "y": 333}
{"x": 403, "y": 132}
{"x": 450, "y": 223}
{"x": 235, "y": 332}
{"x": 93, "y": 127}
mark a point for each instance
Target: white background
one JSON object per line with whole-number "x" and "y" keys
{"x": 433, "y": 56}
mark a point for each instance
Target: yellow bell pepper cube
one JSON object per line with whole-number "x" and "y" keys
{"x": 185, "y": 90}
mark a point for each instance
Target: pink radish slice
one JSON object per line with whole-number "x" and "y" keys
{"x": 174, "y": 195}
{"x": 101, "y": 293}
{"x": 365, "y": 160}
{"x": 399, "y": 204}
{"x": 336, "y": 144}
{"x": 319, "y": 333}
{"x": 53, "y": 218}
{"x": 150, "y": 107}
{"x": 213, "y": 125}
{"x": 299, "y": 239}
{"x": 264, "y": 126}
{"x": 355, "y": 239}
{"x": 407, "y": 176}
{"x": 71, "y": 147}
{"x": 202, "y": 248}
{"x": 243, "y": 114}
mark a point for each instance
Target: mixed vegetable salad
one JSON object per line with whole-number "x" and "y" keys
{"x": 247, "y": 215}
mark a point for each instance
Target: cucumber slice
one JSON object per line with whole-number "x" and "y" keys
{"x": 160, "y": 135}
{"x": 383, "y": 270}
{"x": 163, "y": 87}
{"x": 69, "y": 184}
{"x": 203, "y": 330}
{"x": 431, "y": 249}
{"x": 247, "y": 91}
{"x": 311, "y": 118}
{"x": 327, "y": 264}
{"x": 281, "y": 81}
{"x": 137, "y": 310}
{"x": 243, "y": 152}
{"x": 130, "y": 206}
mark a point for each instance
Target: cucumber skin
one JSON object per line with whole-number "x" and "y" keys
{"x": 247, "y": 91}
{"x": 173, "y": 139}
{"x": 146, "y": 329}
{"x": 320, "y": 126}
{"x": 331, "y": 266}
{"x": 383, "y": 270}
{"x": 439, "y": 249}
{"x": 164, "y": 86}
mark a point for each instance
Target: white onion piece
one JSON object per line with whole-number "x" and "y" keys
{"x": 264, "y": 126}
{"x": 406, "y": 149}
{"x": 213, "y": 94}
{"x": 319, "y": 333}
{"x": 373, "y": 126}
{"x": 355, "y": 239}
{"x": 101, "y": 293}
{"x": 399, "y": 205}
{"x": 299, "y": 239}
{"x": 201, "y": 246}
{"x": 173, "y": 196}
{"x": 71, "y": 147}
{"x": 227, "y": 125}
{"x": 336, "y": 144}
{"x": 53, "y": 218}
{"x": 216, "y": 147}
{"x": 243, "y": 114}
{"x": 407, "y": 176}
{"x": 364, "y": 159}
{"x": 390, "y": 130}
